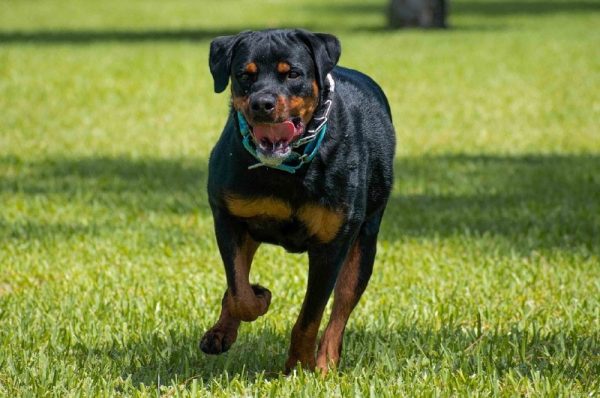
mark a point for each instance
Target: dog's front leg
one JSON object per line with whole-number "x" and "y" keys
{"x": 324, "y": 265}
{"x": 241, "y": 301}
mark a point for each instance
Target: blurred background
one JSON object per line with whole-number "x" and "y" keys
{"x": 505, "y": 76}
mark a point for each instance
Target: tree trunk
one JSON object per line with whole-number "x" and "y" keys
{"x": 419, "y": 13}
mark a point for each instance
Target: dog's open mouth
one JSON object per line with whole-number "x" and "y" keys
{"x": 273, "y": 140}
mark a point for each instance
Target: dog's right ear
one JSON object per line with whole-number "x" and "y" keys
{"x": 219, "y": 60}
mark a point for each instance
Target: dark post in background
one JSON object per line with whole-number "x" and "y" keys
{"x": 418, "y": 13}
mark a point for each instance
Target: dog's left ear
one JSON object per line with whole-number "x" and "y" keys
{"x": 326, "y": 50}
{"x": 219, "y": 60}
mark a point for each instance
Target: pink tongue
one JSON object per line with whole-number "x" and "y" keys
{"x": 275, "y": 132}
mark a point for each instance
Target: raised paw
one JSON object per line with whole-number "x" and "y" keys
{"x": 264, "y": 296}
{"x": 217, "y": 340}
{"x": 249, "y": 304}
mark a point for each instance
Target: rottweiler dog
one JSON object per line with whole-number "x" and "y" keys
{"x": 305, "y": 162}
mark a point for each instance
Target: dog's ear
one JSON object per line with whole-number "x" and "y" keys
{"x": 326, "y": 50}
{"x": 219, "y": 60}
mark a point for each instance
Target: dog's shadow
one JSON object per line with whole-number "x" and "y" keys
{"x": 261, "y": 354}
{"x": 530, "y": 201}
{"x": 176, "y": 358}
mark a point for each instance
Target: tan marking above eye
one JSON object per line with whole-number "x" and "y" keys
{"x": 283, "y": 67}
{"x": 320, "y": 221}
{"x": 251, "y": 68}
{"x": 258, "y": 207}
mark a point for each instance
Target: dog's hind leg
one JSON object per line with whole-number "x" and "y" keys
{"x": 350, "y": 285}
{"x": 241, "y": 301}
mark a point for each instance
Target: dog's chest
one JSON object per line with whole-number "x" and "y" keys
{"x": 276, "y": 220}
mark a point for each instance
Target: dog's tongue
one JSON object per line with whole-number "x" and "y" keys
{"x": 275, "y": 132}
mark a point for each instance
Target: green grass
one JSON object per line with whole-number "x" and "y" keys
{"x": 487, "y": 278}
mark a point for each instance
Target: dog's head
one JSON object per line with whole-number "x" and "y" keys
{"x": 276, "y": 80}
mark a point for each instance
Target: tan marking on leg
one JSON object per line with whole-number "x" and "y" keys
{"x": 302, "y": 347}
{"x": 321, "y": 221}
{"x": 245, "y": 304}
{"x": 258, "y": 207}
{"x": 223, "y": 334}
{"x": 345, "y": 299}
{"x": 283, "y": 67}
{"x": 226, "y": 320}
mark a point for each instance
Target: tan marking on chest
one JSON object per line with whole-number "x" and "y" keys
{"x": 320, "y": 221}
{"x": 258, "y": 207}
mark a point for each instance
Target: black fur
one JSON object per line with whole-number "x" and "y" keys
{"x": 352, "y": 171}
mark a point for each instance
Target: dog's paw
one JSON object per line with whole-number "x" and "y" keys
{"x": 305, "y": 361}
{"x": 217, "y": 341}
{"x": 264, "y": 297}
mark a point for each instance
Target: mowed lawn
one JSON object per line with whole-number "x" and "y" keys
{"x": 487, "y": 280}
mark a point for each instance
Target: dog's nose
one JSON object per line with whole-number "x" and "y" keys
{"x": 263, "y": 104}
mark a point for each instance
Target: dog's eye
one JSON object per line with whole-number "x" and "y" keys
{"x": 245, "y": 77}
{"x": 293, "y": 75}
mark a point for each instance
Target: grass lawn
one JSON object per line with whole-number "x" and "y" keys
{"x": 487, "y": 280}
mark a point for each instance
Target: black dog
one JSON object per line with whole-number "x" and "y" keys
{"x": 305, "y": 162}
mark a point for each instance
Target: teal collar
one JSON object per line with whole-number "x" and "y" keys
{"x": 312, "y": 140}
